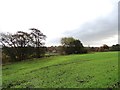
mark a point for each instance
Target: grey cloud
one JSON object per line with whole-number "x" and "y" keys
{"x": 97, "y": 30}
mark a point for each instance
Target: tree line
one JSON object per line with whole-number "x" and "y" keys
{"x": 23, "y": 45}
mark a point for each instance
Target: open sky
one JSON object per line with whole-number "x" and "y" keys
{"x": 94, "y": 22}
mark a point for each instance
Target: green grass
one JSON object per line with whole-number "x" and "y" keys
{"x": 95, "y": 70}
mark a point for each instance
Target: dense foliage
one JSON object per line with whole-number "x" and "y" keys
{"x": 72, "y": 46}
{"x": 115, "y": 47}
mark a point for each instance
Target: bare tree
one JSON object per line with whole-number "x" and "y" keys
{"x": 38, "y": 37}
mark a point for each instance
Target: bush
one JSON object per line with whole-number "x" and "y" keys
{"x": 5, "y": 58}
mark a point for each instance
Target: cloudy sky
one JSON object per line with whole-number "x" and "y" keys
{"x": 94, "y": 22}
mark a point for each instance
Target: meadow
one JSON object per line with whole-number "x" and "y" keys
{"x": 94, "y": 70}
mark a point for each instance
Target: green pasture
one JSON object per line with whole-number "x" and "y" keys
{"x": 94, "y": 70}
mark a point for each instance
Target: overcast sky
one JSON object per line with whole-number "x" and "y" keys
{"x": 94, "y": 22}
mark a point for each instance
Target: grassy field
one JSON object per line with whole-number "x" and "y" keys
{"x": 95, "y": 70}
